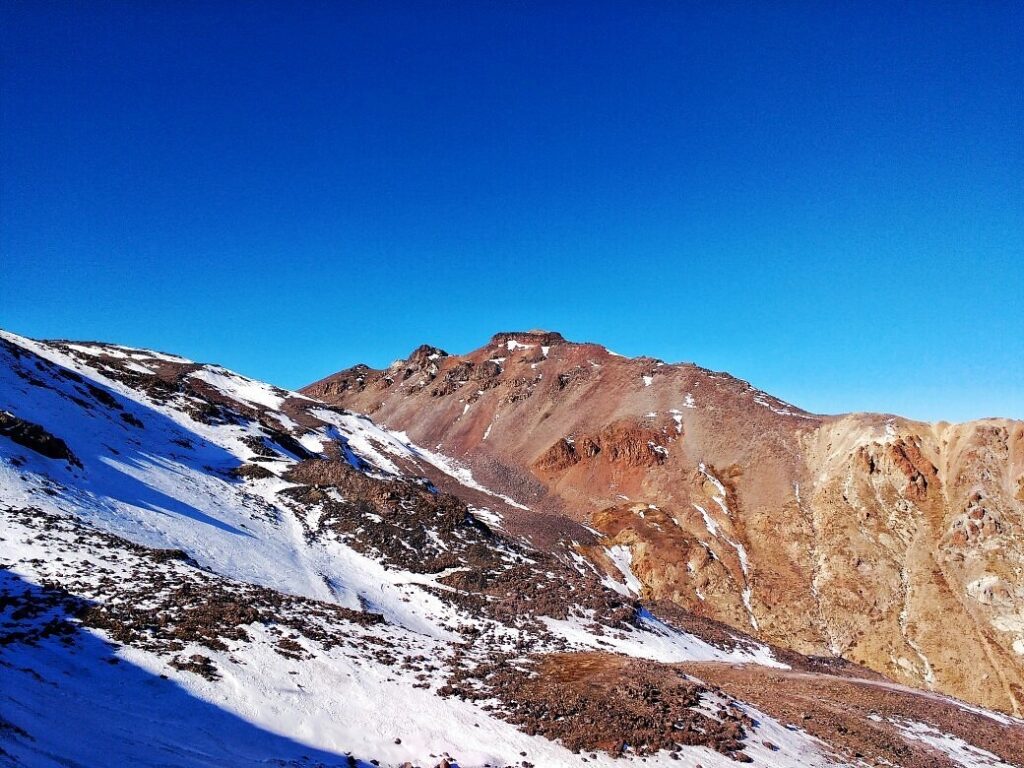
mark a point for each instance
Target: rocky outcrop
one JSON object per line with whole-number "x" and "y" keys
{"x": 35, "y": 438}
{"x": 622, "y": 443}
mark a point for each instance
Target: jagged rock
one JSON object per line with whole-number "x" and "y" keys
{"x": 34, "y": 437}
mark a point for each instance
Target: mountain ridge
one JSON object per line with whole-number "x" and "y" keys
{"x": 546, "y": 337}
{"x": 198, "y": 568}
{"x": 604, "y": 432}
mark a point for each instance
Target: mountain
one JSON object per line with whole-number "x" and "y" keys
{"x": 199, "y": 569}
{"x": 888, "y": 542}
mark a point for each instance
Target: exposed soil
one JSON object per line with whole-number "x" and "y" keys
{"x": 859, "y": 717}
{"x": 605, "y": 702}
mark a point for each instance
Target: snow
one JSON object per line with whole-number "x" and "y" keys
{"x": 658, "y": 641}
{"x": 452, "y": 468}
{"x": 714, "y": 481}
{"x": 741, "y": 552}
{"x": 266, "y": 694}
{"x": 489, "y": 516}
{"x": 374, "y": 445}
{"x": 271, "y": 709}
{"x": 953, "y": 747}
{"x": 266, "y": 707}
{"x": 748, "y": 591}
{"x": 110, "y": 350}
{"x": 997, "y": 716}
{"x": 710, "y": 524}
{"x": 622, "y": 558}
{"x": 648, "y": 380}
{"x": 677, "y": 417}
{"x": 124, "y": 714}
{"x": 131, "y": 365}
{"x": 240, "y": 388}
{"x": 777, "y": 406}
{"x": 928, "y": 674}
{"x": 172, "y": 497}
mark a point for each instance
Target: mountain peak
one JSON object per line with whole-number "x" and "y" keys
{"x": 697, "y": 475}
{"x": 425, "y": 352}
{"x": 536, "y": 337}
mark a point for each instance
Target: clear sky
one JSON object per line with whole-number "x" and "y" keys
{"x": 824, "y": 199}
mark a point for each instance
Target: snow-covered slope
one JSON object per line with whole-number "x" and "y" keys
{"x": 199, "y": 569}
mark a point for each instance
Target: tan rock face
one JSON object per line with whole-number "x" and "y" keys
{"x": 889, "y": 542}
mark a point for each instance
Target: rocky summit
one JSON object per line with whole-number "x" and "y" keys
{"x": 539, "y": 553}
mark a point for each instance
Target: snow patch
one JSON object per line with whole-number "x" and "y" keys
{"x": 953, "y": 747}
{"x": 622, "y": 558}
{"x": 240, "y": 388}
{"x": 452, "y": 468}
{"x": 657, "y": 641}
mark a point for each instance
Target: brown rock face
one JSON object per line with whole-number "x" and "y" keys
{"x": 893, "y": 543}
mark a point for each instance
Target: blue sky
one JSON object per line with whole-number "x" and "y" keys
{"x": 824, "y": 199}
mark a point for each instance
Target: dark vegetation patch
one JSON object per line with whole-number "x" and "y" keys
{"x": 35, "y": 438}
{"x": 413, "y": 527}
{"x": 604, "y": 702}
{"x": 171, "y": 383}
{"x": 252, "y": 472}
{"x": 134, "y": 421}
{"x": 287, "y": 442}
{"x": 275, "y": 444}
{"x": 30, "y": 613}
{"x": 258, "y": 445}
{"x": 197, "y": 664}
{"x": 103, "y": 396}
{"x": 9, "y": 728}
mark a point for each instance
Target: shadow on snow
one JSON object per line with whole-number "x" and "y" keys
{"x": 95, "y": 425}
{"x": 73, "y": 702}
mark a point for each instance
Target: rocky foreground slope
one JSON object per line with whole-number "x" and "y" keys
{"x": 892, "y": 543}
{"x": 198, "y": 569}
